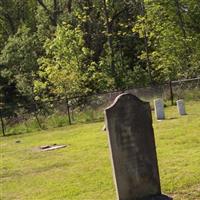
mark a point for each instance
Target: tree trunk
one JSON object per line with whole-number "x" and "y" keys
{"x": 2, "y": 124}
{"x": 188, "y": 49}
{"x": 148, "y": 63}
{"x": 68, "y": 112}
{"x": 110, "y": 43}
{"x": 72, "y": 114}
{"x": 171, "y": 93}
{"x": 53, "y": 15}
{"x": 180, "y": 18}
{"x": 37, "y": 119}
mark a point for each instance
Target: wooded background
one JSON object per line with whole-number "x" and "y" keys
{"x": 57, "y": 49}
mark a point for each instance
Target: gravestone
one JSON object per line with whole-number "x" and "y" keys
{"x": 159, "y": 109}
{"x": 132, "y": 147}
{"x": 181, "y": 107}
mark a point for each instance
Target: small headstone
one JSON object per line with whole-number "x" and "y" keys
{"x": 104, "y": 128}
{"x": 181, "y": 107}
{"x": 132, "y": 147}
{"x": 159, "y": 109}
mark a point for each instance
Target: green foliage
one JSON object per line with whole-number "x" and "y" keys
{"x": 19, "y": 57}
{"x": 88, "y": 115}
{"x": 58, "y": 49}
{"x": 27, "y": 126}
{"x": 173, "y": 47}
{"x": 18, "y": 71}
{"x": 66, "y": 67}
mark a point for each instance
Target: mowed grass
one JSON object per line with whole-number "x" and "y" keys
{"x": 82, "y": 170}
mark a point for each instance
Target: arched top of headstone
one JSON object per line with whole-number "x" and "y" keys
{"x": 127, "y": 96}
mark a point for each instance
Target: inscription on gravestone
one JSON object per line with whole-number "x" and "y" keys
{"x": 132, "y": 146}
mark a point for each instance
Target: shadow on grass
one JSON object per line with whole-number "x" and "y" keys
{"x": 90, "y": 121}
{"x": 46, "y": 128}
{"x": 15, "y": 134}
{"x": 20, "y": 133}
{"x": 171, "y": 118}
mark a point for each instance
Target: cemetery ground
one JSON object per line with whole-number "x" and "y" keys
{"x": 82, "y": 170}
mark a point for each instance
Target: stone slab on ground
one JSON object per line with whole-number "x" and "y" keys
{"x": 51, "y": 147}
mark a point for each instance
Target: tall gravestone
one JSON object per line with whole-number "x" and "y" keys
{"x": 159, "y": 109}
{"x": 181, "y": 107}
{"x": 132, "y": 146}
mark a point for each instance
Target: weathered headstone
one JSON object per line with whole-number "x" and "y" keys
{"x": 132, "y": 146}
{"x": 181, "y": 107}
{"x": 159, "y": 109}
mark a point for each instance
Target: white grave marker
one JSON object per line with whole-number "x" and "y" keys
{"x": 181, "y": 107}
{"x": 159, "y": 109}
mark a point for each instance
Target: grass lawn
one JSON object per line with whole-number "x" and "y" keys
{"x": 82, "y": 170}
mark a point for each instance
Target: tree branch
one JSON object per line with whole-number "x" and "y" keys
{"x": 115, "y": 16}
{"x": 44, "y": 6}
{"x": 52, "y": 15}
{"x": 69, "y": 6}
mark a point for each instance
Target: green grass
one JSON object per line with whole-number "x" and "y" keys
{"x": 53, "y": 121}
{"x": 82, "y": 170}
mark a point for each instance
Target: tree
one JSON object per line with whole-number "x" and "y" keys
{"x": 170, "y": 41}
{"x": 19, "y": 69}
{"x": 64, "y": 67}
